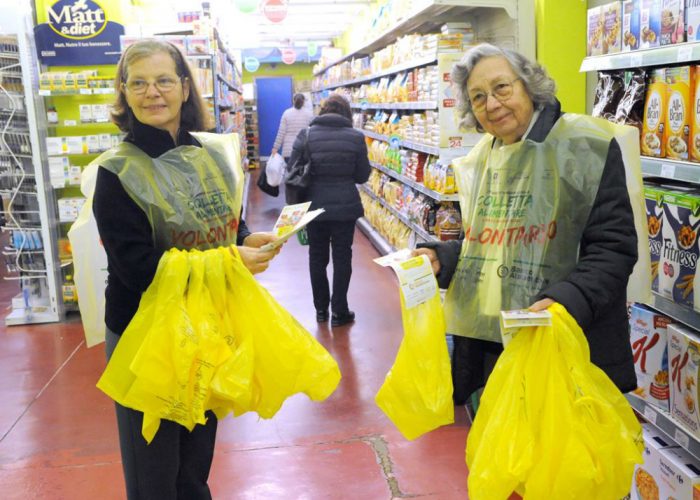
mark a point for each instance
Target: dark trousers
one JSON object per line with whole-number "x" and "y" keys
{"x": 324, "y": 237}
{"x": 473, "y": 361}
{"x": 177, "y": 462}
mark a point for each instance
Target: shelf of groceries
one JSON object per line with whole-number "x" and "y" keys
{"x": 669, "y": 168}
{"x": 397, "y": 142}
{"x": 418, "y": 186}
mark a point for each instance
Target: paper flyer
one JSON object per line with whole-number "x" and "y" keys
{"x": 291, "y": 220}
{"x": 415, "y": 276}
{"x": 514, "y": 320}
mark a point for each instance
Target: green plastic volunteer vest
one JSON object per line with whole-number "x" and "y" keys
{"x": 524, "y": 208}
{"x": 192, "y": 196}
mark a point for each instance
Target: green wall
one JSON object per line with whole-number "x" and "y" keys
{"x": 299, "y": 72}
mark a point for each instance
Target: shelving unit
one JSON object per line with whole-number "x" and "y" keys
{"x": 657, "y": 56}
{"x": 415, "y": 185}
{"x": 671, "y": 169}
{"x": 252, "y": 134}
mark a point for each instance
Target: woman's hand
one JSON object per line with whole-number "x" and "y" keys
{"x": 432, "y": 256}
{"x": 541, "y": 305}
{"x": 254, "y": 259}
{"x": 256, "y": 240}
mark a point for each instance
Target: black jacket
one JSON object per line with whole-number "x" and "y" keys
{"x": 126, "y": 233}
{"x": 338, "y": 162}
{"x": 594, "y": 293}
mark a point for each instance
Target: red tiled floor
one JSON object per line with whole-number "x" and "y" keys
{"x": 58, "y": 433}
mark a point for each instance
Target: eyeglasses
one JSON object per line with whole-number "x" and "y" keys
{"x": 501, "y": 91}
{"x": 163, "y": 84}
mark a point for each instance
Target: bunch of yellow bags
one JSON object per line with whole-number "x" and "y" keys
{"x": 551, "y": 424}
{"x": 417, "y": 391}
{"x": 206, "y": 336}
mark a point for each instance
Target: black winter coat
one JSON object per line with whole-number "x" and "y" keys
{"x": 338, "y": 162}
{"x": 594, "y": 293}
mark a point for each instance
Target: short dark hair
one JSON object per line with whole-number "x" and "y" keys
{"x": 193, "y": 116}
{"x": 337, "y": 104}
{"x": 299, "y": 100}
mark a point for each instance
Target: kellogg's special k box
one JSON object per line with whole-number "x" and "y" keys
{"x": 684, "y": 363}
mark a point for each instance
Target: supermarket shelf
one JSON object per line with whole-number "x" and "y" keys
{"x": 229, "y": 84}
{"x": 415, "y": 185}
{"x": 375, "y": 237}
{"x": 675, "y": 311}
{"x": 20, "y": 317}
{"x": 668, "y": 54}
{"x": 415, "y": 228}
{"x": 427, "y": 16}
{"x": 81, "y": 125}
{"x": 661, "y": 419}
{"x": 9, "y": 55}
{"x": 375, "y": 76}
{"x": 47, "y": 93}
{"x": 396, "y": 105}
{"x": 446, "y": 153}
{"x": 671, "y": 169}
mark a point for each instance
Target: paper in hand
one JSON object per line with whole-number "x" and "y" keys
{"x": 291, "y": 220}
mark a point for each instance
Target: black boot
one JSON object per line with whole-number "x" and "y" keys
{"x": 340, "y": 319}
{"x": 321, "y": 316}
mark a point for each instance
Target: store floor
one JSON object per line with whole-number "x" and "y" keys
{"x": 58, "y": 432}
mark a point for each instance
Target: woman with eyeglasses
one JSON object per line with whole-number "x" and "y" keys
{"x": 547, "y": 218}
{"x": 165, "y": 188}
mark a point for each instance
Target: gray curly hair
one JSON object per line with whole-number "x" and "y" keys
{"x": 539, "y": 85}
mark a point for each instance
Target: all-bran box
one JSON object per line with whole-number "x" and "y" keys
{"x": 650, "y": 23}
{"x": 692, "y": 20}
{"x": 677, "y": 131}
{"x": 594, "y": 45}
{"x": 652, "y": 139}
{"x": 650, "y": 349}
{"x": 612, "y": 27}
{"x": 630, "y": 25}
{"x": 684, "y": 361}
{"x": 694, "y": 140}
{"x": 673, "y": 22}
{"x": 654, "y": 200}
{"x": 679, "y": 255}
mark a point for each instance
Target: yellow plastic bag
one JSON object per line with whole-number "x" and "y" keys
{"x": 417, "y": 392}
{"x": 208, "y": 336}
{"x": 550, "y": 423}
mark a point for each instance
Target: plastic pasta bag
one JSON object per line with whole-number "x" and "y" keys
{"x": 551, "y": 424}
{"x": 206, "y": 336}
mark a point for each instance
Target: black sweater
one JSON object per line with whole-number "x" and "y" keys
{"x": 126, "y": 233}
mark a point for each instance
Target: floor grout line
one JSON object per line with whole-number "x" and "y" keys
{"x": 38, "y": 395}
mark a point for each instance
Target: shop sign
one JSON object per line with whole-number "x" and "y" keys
{"x": 312, "y": 49}
{"x": 247, "y": 6}
{"x": 78, "y": 32}
{"x": 275, "y": 10}
{"x": 251, "y": 64}
{"x": 289, "y": 56}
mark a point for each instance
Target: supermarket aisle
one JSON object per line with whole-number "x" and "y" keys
{"x": 58, "y": 434}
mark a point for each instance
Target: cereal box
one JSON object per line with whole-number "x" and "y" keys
{"x": 692, "y": 19}
{"x": 673, "y": 22}
{"x": 684, "y": 360}
{"x": 650, "y": 23}
{"x": 680, "y": 472}
{"x": 654, "y": 199}
{"x": 694, "y": 139}
{"x": 630, "y": 25}
{"x": 612, "y": 27}
{"x": 679, "y": 255}
{"x": 595, "y": 32}
{"x": 647, "y": 478}
{"x": 652, "y": 139}
{"x": 650, "y": 349}
{"x": 677, "y": 128}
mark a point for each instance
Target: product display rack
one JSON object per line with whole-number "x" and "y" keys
{"x": 664, "y": 168}
{"x": 510, "y": 22}
{"x": 29, "y": 214}
{"x": 252, "y": 134}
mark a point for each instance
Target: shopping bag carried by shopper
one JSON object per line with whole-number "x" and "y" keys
{"x": 550, "y": 423}
{"x": 297, "y": 176}
{"x": 275, "y": 169}
{"x": 90, "y": 262}
{"x": 417, "y": 391}
{"x": 264, "y": 186}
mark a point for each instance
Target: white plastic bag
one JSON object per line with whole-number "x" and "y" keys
{"x": 90, "y": 262}
{"x": 275, "y": 169}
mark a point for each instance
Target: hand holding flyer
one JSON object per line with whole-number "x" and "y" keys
{"x": 291, "y": 220}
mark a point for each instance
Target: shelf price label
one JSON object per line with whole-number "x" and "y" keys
{"x": 650, "y": 414}
{"x": 681, "y": 438}
{"x": 668, "y": 170}
{"x": 44, "y": 92}
{"x": 636, "y": 60}
{"x": 684, "y": 54}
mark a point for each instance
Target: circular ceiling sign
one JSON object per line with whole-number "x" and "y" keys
{"x": 275, "y": 10}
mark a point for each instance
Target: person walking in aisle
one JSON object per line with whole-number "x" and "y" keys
{"x": 293, "y": 120}
{"x": 338, "y": 162}
{"x": 558, "y": 181}
{"x": 158, "y": 105}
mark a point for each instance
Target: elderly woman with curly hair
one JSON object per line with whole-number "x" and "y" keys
{"x": 547, "y": 218}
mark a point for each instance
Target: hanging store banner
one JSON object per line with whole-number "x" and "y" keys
{"x": 251, "y": 64}
{"x": 289, "y": 56}
{"x": 78, "y": 32}
{"x": 275, "y": 10}
{"x": 247, "y": 6}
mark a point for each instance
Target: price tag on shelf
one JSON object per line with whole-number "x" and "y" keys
{"x": 85, "y": 91}
{"x": 636, "y": 60}
{"x": 668, "y": 170}
{"x": 681, "y": 438}
{"x": 70, "y": 123}
{"x": 650, "y": 414}
{"x": 684, "y": 54}
{"x": 44, "y": 92}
